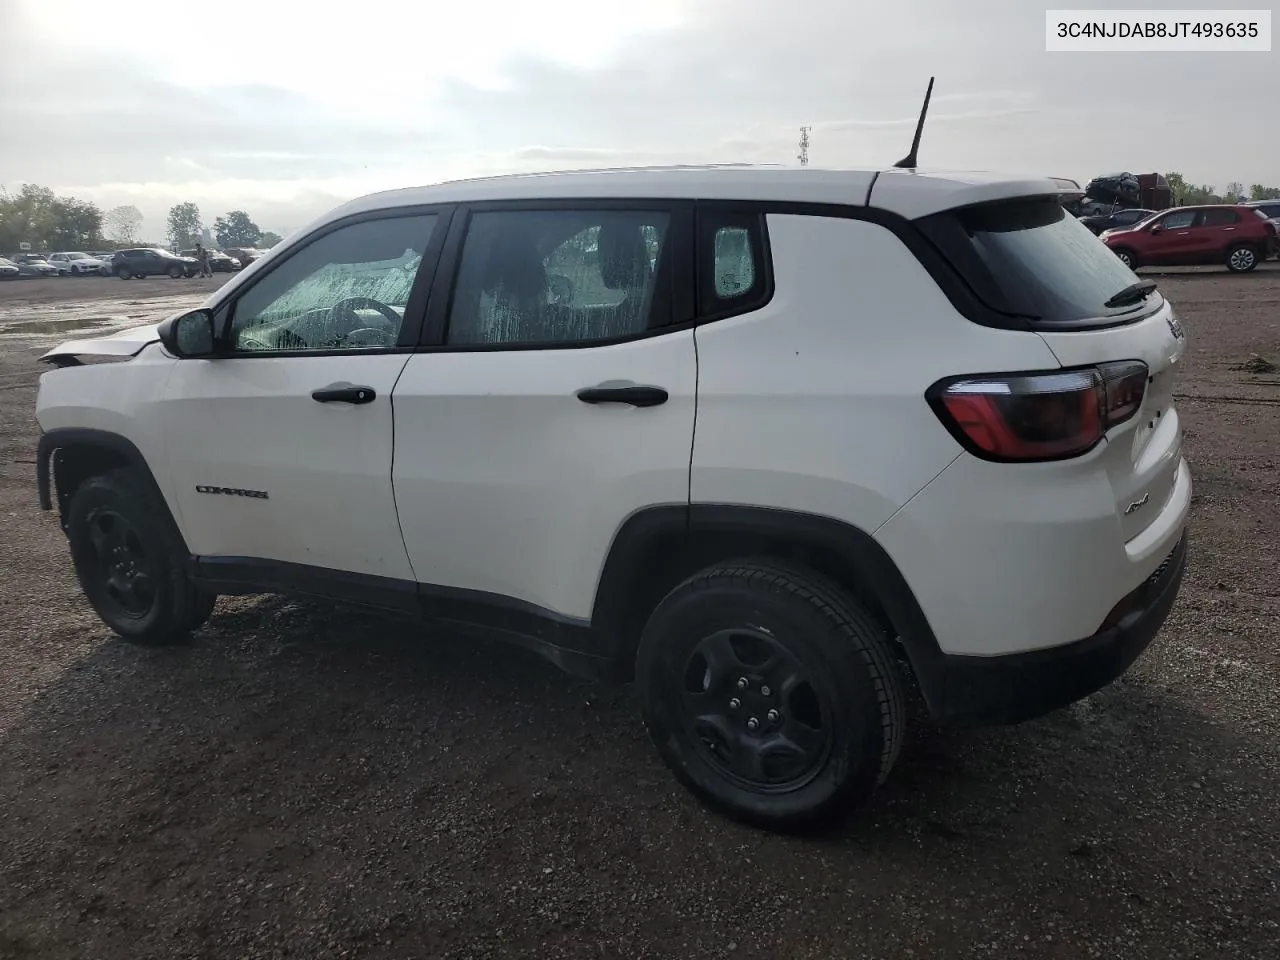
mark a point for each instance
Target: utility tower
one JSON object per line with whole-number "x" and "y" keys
{"x": 803, "y": 156}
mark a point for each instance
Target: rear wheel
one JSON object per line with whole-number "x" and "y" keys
{"x": 130, "y": 561}
{"x": 770, "y": 693}
{"x": 1242, "y": 258}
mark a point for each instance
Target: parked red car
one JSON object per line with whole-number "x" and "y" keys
{"x": 1235, "y": 235}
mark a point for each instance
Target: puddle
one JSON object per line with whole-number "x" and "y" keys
{"x": 57, "y": 326}
{"x": 37, "y": 324}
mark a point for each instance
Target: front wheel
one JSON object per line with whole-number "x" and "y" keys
{"x": 124, "y": 273}
{"x": 1242, "y": 259}
{"x": 770, "y": 693}
{"x": 176, "y": 272}
{"x": 1127, "y": 257}
{"x": 130, "y": 561}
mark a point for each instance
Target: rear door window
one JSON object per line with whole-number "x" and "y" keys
{"x": 1031, "y": 259}
{"x": 1219, "y": 218}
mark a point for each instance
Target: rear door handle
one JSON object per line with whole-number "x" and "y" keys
{"x": 344, "y": 393}
{"x": 635, "y": 396}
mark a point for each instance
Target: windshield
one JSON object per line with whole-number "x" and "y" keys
{"x": 1033, "y": 259}
{"x": 77, "y": 256}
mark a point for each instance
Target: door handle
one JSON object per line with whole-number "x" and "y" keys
{"x": 344, "y": 393}
{"x": 635, "y": 396}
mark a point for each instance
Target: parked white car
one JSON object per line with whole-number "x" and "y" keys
{"x": 774, "y": 443}
{"x": 76, "y": 264}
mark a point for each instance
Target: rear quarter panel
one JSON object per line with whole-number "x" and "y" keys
{"x": 816, "y": 402}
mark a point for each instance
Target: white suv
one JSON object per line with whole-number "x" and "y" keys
{"x": 77, "y": 264}
{"x": 777, "y": 444}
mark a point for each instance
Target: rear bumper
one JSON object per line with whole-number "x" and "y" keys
{"x": 965, "y": 690}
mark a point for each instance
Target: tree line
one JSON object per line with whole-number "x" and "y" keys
{"x": 235, "y": 229}
{"x": 1190, "y": 194}
{"x": 37, "y": 216}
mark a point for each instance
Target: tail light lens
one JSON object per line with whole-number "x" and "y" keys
{"x": 1039, "y": 416}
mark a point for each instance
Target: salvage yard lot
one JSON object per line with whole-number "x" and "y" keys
{"x": 309, "y": 782}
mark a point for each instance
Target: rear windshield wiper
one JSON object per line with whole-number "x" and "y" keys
{"x": 1132, "y": 294}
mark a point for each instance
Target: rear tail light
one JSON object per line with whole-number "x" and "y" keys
{"x": 1039, "y": 416}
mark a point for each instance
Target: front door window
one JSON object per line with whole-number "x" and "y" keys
{"x": 348, "y": 290}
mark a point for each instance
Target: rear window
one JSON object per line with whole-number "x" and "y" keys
{"x": 1032, "y": 259}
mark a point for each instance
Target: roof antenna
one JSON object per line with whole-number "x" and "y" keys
{"x": 909, "y": 161}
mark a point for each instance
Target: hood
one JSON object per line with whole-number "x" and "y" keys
{"x": 123, "y": 343}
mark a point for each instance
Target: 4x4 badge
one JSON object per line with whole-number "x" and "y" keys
{"x": 1175, "y": 327}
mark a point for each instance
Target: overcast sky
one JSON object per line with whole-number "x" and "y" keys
{"x": 285, "y": 108}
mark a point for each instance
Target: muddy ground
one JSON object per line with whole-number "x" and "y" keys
{"x": 304, "y": 781}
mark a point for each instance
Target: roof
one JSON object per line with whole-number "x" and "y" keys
{"x": 1210, "y": 206}
{"x": 910, "y": 193}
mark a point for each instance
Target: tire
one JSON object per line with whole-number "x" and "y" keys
{"x": 130, "y": 561}
{"x": 731, "y": 619}
{"x": 123, "y": 272}
{"x": 1127, "y": 257}
{"x": 1242, "y": 258}
{"x": 176, "y": 272}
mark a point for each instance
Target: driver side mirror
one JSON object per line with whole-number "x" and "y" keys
{"x": 1156, "y": 228}
{"x": 189, "y": 336}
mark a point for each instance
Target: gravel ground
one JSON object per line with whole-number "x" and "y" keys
{"x": 303, "y": 781}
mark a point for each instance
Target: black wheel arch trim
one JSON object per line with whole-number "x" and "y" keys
{"x": 63, "y": 438}
{"x": 649, "y": 534}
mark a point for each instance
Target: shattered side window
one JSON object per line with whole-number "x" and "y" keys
{"x": 539, "y": 276}
{"x": 346, "y": 290}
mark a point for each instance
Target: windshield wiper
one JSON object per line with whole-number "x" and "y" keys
{"x": 1132, "y": 294}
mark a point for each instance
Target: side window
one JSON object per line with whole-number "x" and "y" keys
{"x": 560, "y": 276}
{"x": 1219, "y": 218}
{"x": 732, "y": 271}
{"x": 1179, "y": 220}
{"x": 346, "y": 290}
{"x": 1128, "y": 218}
